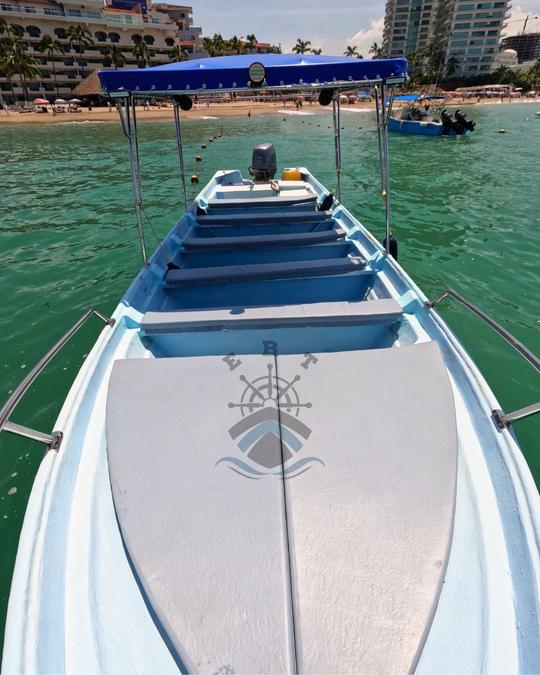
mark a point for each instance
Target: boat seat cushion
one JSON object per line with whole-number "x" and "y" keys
{"x": 323, "y": 313}
{"x": 276, "y": 201}
{"x": 263, "y": 271}
{"x": 370, "y": 449}
{"x": 228, "y": 219}
{"x": 263, "y": 240}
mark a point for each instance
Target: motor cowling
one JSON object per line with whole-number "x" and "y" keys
{"x": 463, "y": 122}
{"x": 263, "y": 162}
{"x": 447, "y": 123}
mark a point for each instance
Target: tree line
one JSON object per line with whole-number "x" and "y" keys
{"x": 217, "y": 45}
{"x": 304, "y": 47}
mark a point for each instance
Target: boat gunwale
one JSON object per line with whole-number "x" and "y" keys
{"x": 38, "y": 512}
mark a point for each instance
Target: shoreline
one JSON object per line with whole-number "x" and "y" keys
{"x": 202, "y": 112}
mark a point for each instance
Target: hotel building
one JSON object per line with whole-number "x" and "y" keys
{"x": 468, "y": 31}
{"x": 124, "y": 23}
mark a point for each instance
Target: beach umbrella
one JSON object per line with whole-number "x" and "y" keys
{"x": 41, "y": 101}
{"x": 75, "y": 100}
{"x": 60, "y": 100}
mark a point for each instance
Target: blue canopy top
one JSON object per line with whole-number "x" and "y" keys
{"x": 232, "y": 73}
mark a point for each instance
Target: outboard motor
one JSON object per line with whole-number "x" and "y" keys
{"x": 447, "y": 123}
{"x": 263, "y": 162}
{"x": 462, "y": 122}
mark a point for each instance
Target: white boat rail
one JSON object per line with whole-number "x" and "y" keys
{"x": 502, "y": 420}
{"x": 54, "y": 439}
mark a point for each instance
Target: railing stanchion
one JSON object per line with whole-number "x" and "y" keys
{"x": 52, "y": 440}
{"x": 502, "y": 420}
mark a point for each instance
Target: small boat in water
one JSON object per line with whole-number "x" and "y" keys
{"x": 277, "y": 457}
{"x": 422, "y": 118}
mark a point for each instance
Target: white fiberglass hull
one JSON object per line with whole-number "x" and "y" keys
{"x": 78, "y": 605}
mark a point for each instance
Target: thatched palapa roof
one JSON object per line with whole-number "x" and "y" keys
{"x": 90, "y": 86}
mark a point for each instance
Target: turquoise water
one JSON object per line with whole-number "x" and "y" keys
{"x": 466, "y": 213}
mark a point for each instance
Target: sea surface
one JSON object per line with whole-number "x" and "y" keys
{"x": 466, "y": 213}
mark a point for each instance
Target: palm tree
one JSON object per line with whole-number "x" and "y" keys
{"x": 51, "y": 47}
{"x": 316, "y": 51}
{"x": 435, "y": 58}
{"x": 219, "y": 43}
{"x": 5, "y": 27}
{"x": 18, "y": 31}
{"x": 376, "y": 51}
{"x": 142, "y": 53}
{"x": 17, "y": 61}
{"x": 252, "y": 40}
{"x": 82, "y": 37}
{"x": 451, "y": 66}
{"x": 178, "y": 54}
{"x": 208, "y": 45}
{"x": 235, "y": 45}
{"x": 215, "y": 45}
{"x": 412, "y": 60}
{"x": 301, "y": 46}
{"x": 350, "y": 51}
{"x": 114, "y": 55}
{"x": 504, "y": 75}
{"x": 532, "y": 76}
{"x": 4, "y": 51}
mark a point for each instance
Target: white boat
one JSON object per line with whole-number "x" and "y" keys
{"x": 277, "y": 456}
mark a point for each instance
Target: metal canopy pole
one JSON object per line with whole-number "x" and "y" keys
{"x": 337, "y": 141}
{"x": 180, "y": 149}
{"x": 379, "y": 135}
{"x": 385, "y": 112}
{"x": 126, "y": 108}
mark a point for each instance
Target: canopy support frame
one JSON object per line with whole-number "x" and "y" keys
{"x": 383, "y": 112}
{"x": 180, "y": 149}
{"x": 336, "y": 116}
{"x": 128, "y": 117}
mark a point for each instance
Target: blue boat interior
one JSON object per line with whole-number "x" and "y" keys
{"x": 257, "y": 282}
{"x": 252, "y": 262}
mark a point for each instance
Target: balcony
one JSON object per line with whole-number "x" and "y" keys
{"x": 78, "y": 16}
{"x": 190, "y": 35}
{"x": 124, "y": 19}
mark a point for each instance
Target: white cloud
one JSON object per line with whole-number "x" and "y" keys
{"x": 516, "y": 21}
{"x": 366, "y": 37}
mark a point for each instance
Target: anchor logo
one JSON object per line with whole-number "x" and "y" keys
{"x": 270, "y": 434}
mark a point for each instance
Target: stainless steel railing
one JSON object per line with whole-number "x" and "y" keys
{"x": 502, "y": 420}
{"x": 54, "y": 439}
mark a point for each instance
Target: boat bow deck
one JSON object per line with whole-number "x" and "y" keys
{"x": 250, "y": 573}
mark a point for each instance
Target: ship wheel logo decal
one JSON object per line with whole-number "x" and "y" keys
{"x": 270, "y": 434}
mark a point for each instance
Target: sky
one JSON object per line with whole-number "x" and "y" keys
{"x": 328, "y": 24}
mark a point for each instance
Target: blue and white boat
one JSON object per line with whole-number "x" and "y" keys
{"x": 421, "y": 117}
{"x": 277, "y": 456}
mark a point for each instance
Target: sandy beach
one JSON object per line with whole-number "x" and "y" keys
{"x": 212, "y": 111}
{"x": 164, "y": 113}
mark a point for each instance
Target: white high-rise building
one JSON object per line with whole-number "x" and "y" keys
{"x": 465, "y": 33}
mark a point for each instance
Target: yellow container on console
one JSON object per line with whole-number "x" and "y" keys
{"x": 291, "y": 174}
